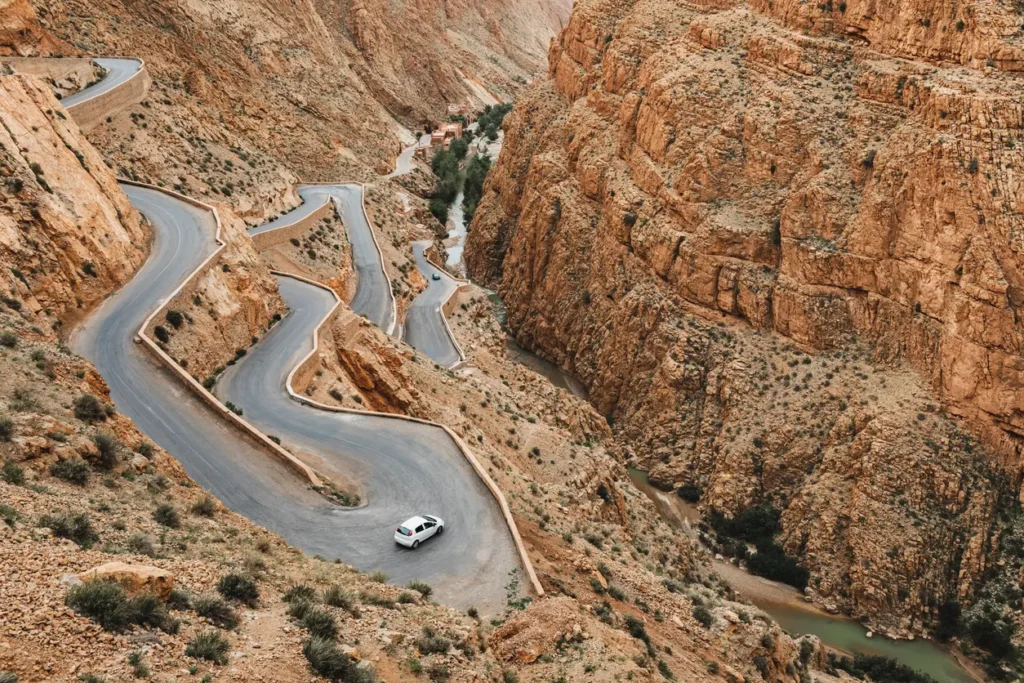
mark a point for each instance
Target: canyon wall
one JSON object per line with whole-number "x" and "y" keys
{"x": 68, "y": 234}
{"x": 701, "y": 194}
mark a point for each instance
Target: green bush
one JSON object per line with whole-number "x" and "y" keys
{"x": 335, "y": 596}
{"x": 75, "y": 471}
{"x": 300, "y": 592}
{"x": 109, "y": 449}
{"x": 175, "y": 318}
{"x": 616, "y": 592}
{"x": 320, "y": 623}
{"x": 73, "y": 526}
{"x": 106, "y": 603}
{"x": 327, "y": 660}
{"x": 422, "y": 588}
{"x": 430, "y": 642}
{"x": 239, "y": 587}
{"x": 9, "y": 515}
{"x": 298, "y": 608}
{"x": 167, "y": 515}
{"x": 141, "y": 544}
{"x": 690, "y": 492}
{"x": 6, "y": 428}
{"x": 88, "y": 408}
{"x": 703, "y": 616}
{"x": 204, "y": 507}
{"x": 209, "y": 645}
{"x": 773, "y": 563}
{"x": 214, "y": 608}
{"x": 12, "y": 473}
{"x": 8, "y": 339}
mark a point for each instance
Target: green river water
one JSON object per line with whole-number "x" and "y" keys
{"x": 798, "y": 618}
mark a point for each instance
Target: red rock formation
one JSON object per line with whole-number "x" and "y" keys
{"x": 827, "y": 173}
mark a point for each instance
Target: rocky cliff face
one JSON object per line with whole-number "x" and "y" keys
{"x": 841, "y": 177}
{"x": 68, "y": 235}
{"x": 315, "y": 84}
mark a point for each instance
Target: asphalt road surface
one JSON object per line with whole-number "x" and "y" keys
{"x": 403, "y": 164}
{"x": 424, "y": 325}
{"x": 118, "y": 71}
{"x": 373, "y": 297}
{"x": 404, "y": 468}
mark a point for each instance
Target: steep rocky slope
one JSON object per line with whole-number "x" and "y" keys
{"x": 81, "y": 487}
{"x": 840, "y": 176}
{"x": 68, "y": 234}
{"x": 316, "y": 85}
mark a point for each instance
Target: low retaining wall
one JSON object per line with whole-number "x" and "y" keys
{"x": 95, "y": 110}
{"x": 272, "y": 238}
{"x": 190, "y": 381}
{"x": 310, "y": 363}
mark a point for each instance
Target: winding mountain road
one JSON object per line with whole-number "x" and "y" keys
{"x": 400, "y": 467}
{"x": 118, "y": 71}
{"x": 425, "y": 328}
{"x": 373, "y": 297}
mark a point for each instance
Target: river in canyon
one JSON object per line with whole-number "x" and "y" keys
{"x": 786, "y": 605}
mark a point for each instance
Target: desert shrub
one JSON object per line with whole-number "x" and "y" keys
{"x": 327, "y": 660}
{"x": 239, "y": 587}
{"x": 300, "y": 592}
{"x": 74, "y": 471}
{"x": 106, "y": 603}
{"x": 167, "y": 515}
{"x": 8, "y": 677}
{"x": 6, "y": 428}
{"x": 102, "y": 601}
{"x": 298, "y": 608}
{"x": 216, "y": 609}
{"x": 175, "y": 318}
{"x": 145, "y": 449}
{"x": 88, "y": 408}
{"x": 378, "y": 576}
{"x": 12, "y": 473}
{"x": 141, "y": 544}
{"x": 9, "y": 514}
{"x": 109, "y": 449}
{"x": 320, "y": 623}
{"x": 73, "y": 526}
{"x": 616, "y": 592}
{"x": 161, "y": 333}
{"x": 335, "y": 596}
{"x": 209, "y": 645}
{"x": 773, "y": 563}
{"x": 430, "y": 642}
{"x": 204, "y": 507}
{"x": 422, "y": 588}
{"x": 8, "y": 339}
{"x": 438, "y": 672}
{"x": 179, "y": 599}
{"x": 703, "y": 616}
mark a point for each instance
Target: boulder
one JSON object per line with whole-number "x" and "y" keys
{"x": 136, "y": 578}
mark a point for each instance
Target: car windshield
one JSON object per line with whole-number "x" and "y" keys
{"x": 402, "y": 530}
{"x": 429, "y": 518}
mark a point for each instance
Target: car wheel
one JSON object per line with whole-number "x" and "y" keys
{"x": 440, "y": 530}
{"x": 415, "y": 544}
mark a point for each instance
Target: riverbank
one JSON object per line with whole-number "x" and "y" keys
{"x": 787, "y": 606}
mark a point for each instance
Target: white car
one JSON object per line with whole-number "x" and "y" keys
{"x": 417, "y": 529}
